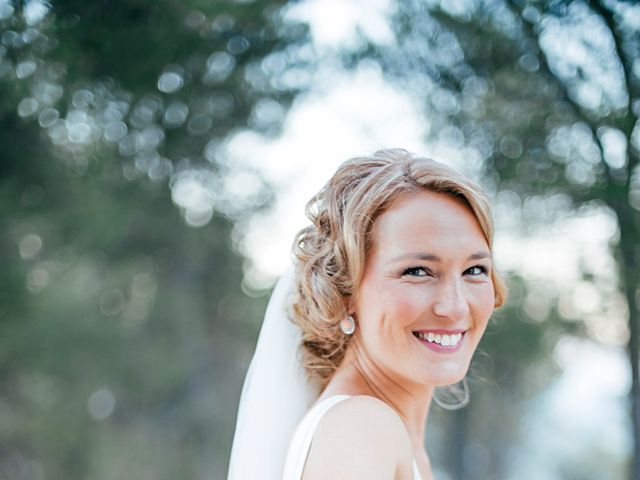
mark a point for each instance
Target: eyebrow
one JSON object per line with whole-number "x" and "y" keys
{"x": 434, "y": 258}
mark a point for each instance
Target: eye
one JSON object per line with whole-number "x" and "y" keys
{"x": 416, "y": 272}
{"x": 477, "y": 270}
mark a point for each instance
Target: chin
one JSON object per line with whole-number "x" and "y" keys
{"x": 448, "y": 378}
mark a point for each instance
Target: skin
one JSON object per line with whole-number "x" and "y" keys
{"x": 429, "y": 268}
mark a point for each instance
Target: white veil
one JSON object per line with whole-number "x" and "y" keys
{"x": 275, "y": 395}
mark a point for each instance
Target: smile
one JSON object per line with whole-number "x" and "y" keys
{"x": 441, "y": 342}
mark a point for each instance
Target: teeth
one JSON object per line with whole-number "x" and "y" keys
{"x": 444, "y": 340}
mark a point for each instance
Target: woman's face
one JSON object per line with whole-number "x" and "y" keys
{"x": 426, "y": 293}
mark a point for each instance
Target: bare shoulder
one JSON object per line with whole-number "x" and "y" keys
{"x": 360, "y": 437}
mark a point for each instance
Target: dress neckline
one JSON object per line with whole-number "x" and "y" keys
{"x": 341, "y": 396}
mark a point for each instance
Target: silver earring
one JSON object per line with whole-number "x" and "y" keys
{"x": 348, "y": 325}
{"x": 452, "y": 397}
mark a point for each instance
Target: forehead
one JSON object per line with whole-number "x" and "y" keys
{"x": 427, "y": 222}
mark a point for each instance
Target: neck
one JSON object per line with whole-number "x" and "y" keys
{"x": 358, "y": 375}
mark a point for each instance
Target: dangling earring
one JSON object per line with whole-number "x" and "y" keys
{"x": 348, "y": 325}
{"x": 456, "y": 396}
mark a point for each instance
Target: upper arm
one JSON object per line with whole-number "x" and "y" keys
{"x": 359, "y": 438}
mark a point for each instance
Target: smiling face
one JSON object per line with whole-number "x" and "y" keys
{"x": 426, "y": 294}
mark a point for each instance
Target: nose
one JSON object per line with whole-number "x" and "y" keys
{"x": 450, "y": 301}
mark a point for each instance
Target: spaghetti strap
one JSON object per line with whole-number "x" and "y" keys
{"x": 416, "y": 472}
{"x": 301, "y": 440}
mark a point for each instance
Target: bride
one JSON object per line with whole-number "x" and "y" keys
{"x": 391, "y": 290}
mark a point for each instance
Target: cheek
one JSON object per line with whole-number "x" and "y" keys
{"x": 410, "y": 302}
{"x": 387, "y": 317}
{"x": 388, "y": 308}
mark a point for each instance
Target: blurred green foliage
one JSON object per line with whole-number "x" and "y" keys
{"x": 125, "y": 327}
{"x": 125, "y": 330}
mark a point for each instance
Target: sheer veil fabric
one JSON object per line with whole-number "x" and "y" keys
{"x": 275, "y": 395}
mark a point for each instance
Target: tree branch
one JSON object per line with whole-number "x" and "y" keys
{"x": 629, "y": 120}
{"x": 577, "y": 110}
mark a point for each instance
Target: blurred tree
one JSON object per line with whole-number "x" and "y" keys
{"x": 112, "y": 113}
{"x": 123, "y": 323}
{"x": 542, "y": 97}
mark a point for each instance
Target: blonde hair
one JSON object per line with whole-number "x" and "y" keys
{"x": 330, "y": 253}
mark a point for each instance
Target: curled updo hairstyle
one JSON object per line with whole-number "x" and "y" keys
{"x": 330, "y": 254}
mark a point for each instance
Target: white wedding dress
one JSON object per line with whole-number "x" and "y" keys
{"x": 301, "y": 441}
{"x": 274, "y": 412}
